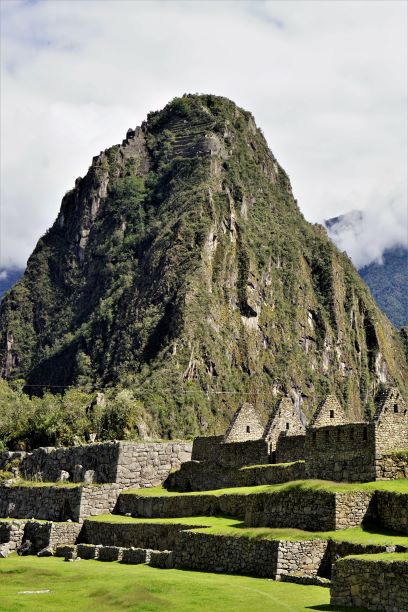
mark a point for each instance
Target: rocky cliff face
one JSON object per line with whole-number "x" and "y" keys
{"x": 181, "y": 266}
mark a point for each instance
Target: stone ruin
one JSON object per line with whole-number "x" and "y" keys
{"x": 43, "y": 518}
{"x": 333, "y": 447}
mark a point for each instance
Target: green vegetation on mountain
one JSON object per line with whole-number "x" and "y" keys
{"x": 181, "y": 273}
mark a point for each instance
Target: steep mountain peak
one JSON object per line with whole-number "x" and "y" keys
{"x": 181, "y": 267}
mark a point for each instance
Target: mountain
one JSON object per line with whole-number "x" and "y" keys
{"x": 180, "y": 267}
{"x": 387, "y": 279}
{"x": 7, "y": 279}
{"x": 388, "y": 282}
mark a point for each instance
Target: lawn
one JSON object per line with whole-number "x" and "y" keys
{"x": 88, "y": 585}
{"x": 235, "y": 527}
{"x": 397, "y": 486}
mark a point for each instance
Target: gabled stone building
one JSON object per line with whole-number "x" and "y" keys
{"x": 285, "y": 420}
{"x": 359, "y": 451}
{"x": 391, "y": 422}
{"x": 329, "y": 412}
{"x": 245, "y": 425}
{"x": 285, "y": 433}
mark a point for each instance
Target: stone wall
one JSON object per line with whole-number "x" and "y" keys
{"x": 391, "y": 466}
{"x": 290, "y": 448}
{"x": 337, "y": 549}
{"x": 181, "y": 505}
{"x": 205, "y": 448}
{"x": 311, "y": 510}
{"x": 125, "y": 463}
{"x": 57, "y": 503}
{"x": 392, "y": 510}
{"x": 231, "y": 454}
{"x": 375, "y": 585}
{"x": 51, "y": 534}
{"x": 252, "y": 452}
{"x": 304, "y": 556}
{"x": 226, "y": 554}
{"x": 206, "y": 476}
{"x": 341, "y": 452}
{"x": 253, "y": 557}
{"x": 40, "y": 534}
{"x": 158, "y": 536}
{"x": 12, "y": 533}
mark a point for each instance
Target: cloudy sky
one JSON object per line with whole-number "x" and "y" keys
{"x": 326, "y": 81}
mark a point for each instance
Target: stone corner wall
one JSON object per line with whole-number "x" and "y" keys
{"x": 392, "y": 510}
{"x": 391, "y": 466}
{"x": 376, "y": 585}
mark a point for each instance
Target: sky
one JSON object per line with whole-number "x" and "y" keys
{"x": 325, "y": 80}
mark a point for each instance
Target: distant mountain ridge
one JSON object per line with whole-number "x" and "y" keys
{"x": 388, "y": 279}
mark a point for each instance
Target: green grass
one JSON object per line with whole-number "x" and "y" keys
{"x": 19, "y": 482}
{"x": 88, "y": 585}
{"x": 388, "y": 557}
{"x": 269, "y": 465}
{"x": 223, "y": 525}
{"x": 399, "y": 486}
{"x": 200, "y": 521}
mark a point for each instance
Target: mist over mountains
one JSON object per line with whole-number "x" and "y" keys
{"x": 382, "y": 251}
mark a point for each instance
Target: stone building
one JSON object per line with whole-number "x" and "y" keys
{"x": 391, "y": 422}
{"x": 284, "y": 421}
{"x": 329, "y": 412}
{"x": 358, "y": 451}
{"x": 245, "y": 425}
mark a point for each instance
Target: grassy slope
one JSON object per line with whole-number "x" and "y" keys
{"x": 111, "y": 586}
{"x": 398, "y": 486}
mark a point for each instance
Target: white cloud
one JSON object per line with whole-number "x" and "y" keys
{"x": 381, "y": 225}
{"x": 3, "y": 274}
{"x": 326, "y": 81}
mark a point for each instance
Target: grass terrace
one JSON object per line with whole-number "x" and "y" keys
{"x": 396, "y": 486}
{"x": 223, "y": 525}
{"x": 387, "y": 557}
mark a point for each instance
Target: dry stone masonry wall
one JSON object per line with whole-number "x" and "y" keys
{"x": 375, "y": 585}
{"x": 124, "y": 463}
{"x": 181, "y": 505}
{"x": 391, "y": 466}
{"x": 341, "y": 452}
{"x": 158, "y": 536}
{"x": 41, "y": 534}
{"x": 311, "y": 510}
{"x": 57, "y": 503}
{"x": 206, "y": 476}
{"x": 392, "y": 510}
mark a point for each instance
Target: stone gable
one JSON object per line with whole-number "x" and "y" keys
{"x": 245, "y": 425}
{"x": 284, "y": 419}
{"x": 329, "y": 412}
{"x": 391, "y": 422}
